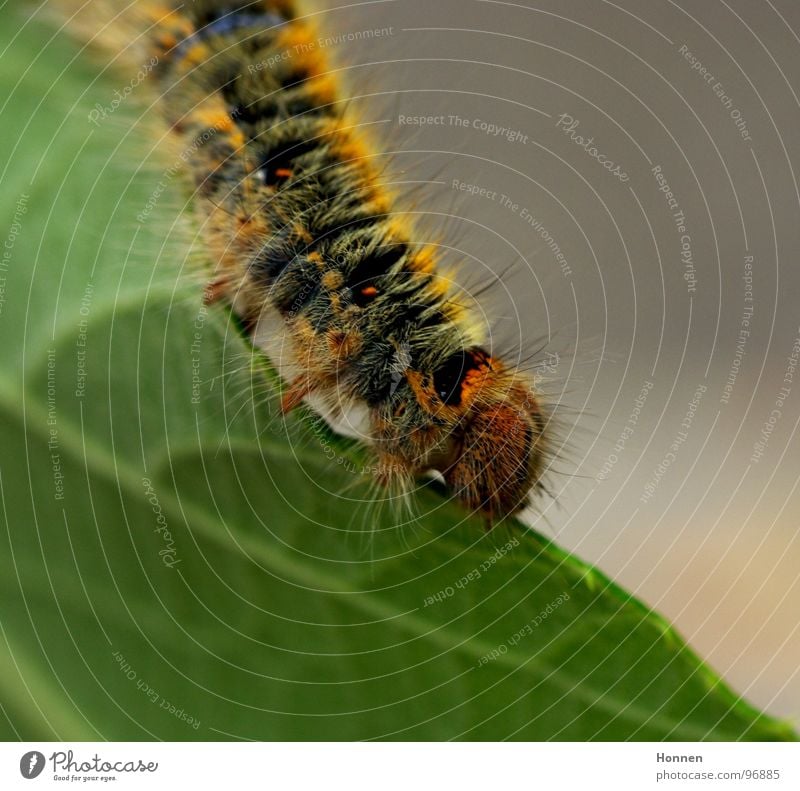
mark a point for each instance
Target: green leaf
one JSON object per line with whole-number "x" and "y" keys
{"x": 283, "y": 602}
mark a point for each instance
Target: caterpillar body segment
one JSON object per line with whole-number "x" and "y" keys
{"x": 298, "y": 226}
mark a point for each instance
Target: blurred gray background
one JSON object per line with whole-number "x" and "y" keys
{"x": 539, "y": 142}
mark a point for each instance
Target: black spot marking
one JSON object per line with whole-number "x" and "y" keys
{"x": 243, "y": 114}
{"x": 301, "y": 106}
{"x": 447, "y": 378}
{"x": 296, "y": 287}
{"x": 328, "y": 227}
{"x": 275, "y": 255}
{"x": 269, "y": 262}
{"x": 368, "y": 272}
{"x": 293, "y": 78}
{"x": 279, "y": 160}
{"x": 240, "y": 111}
{"x": 363, "y": 296}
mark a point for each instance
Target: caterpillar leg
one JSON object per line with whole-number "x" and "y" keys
{"x": 297, "y": 391}
{"x": 214, "y": 291}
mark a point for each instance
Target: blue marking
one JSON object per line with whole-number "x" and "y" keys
{"x": 234, "y": 21}
{"x": 227, "y": 24}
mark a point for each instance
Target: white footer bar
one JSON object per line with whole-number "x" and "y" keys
{"x": 400, "y": 766}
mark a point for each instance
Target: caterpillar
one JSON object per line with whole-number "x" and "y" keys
{"x": 299, "y": 229}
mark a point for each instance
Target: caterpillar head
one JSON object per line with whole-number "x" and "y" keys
{"x": 494, "y": 454}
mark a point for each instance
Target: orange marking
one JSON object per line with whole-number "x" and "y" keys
{"x": 322, "y": 88}
{"x": 332, "y": 279}
{"x": 215, "y": 118}
{"x": 236, "y": 140}
{"x": 369, "y": 291}
{"x": 476, "y": 377}
{"x": 168, "y": 41}
{"x": 344, "y": 345}
{"x": 197, "y": 54}
{"x": 283, "y": 173}
{"x": 302, "y": 37}
{"x": 424, "y": 260}
{"x": 160, "y": 13}
{"x": 302, "y": 233}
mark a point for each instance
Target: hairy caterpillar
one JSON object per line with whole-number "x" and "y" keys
{"x": 298, "y": 227}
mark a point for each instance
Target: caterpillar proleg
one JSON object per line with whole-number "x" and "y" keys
{"x": 299, "y": 229}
